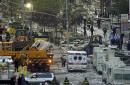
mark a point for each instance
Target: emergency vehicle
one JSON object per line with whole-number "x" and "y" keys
{"x": 76, "y": 60}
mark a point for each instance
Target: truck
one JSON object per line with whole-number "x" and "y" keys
{"x": 35, "y": 59}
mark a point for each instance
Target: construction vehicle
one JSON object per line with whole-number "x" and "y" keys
{"x": 22, "y": 39}
{"x": 35, "y": 59}
{"x": 21, "y": 34}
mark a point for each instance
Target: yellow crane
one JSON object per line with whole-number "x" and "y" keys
{"x": 30, "y": 56}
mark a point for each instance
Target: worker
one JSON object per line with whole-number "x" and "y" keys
{"x": 128, "y": 44}
{"x": 62, "y": 60}
{"x": 85, "y": 82}
{"x": 104, "y": 31}
{"x": 66, "y": 81}
{"x": 16, "y": 63}
{"x": 13, "y": 80}
{"x": 22, "y": 79}
{"x": 20, "y": 70}
{"x": 54, "y": 81}
{"x": 100, "y": 39}
{"x": 19, "y": 80}
{"x": 92, "y": 30}
{"x": 25, "y": 70}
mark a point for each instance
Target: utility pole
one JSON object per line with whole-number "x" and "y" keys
{"x": 129, "y": 9}
{"x": 67, "y": 24}
{"x": 22, "y": 12}
{"x": 11, "y": 11}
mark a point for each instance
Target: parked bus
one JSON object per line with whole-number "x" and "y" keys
{"x": 76, "y": 60}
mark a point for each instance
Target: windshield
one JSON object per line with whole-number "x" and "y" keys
{"x": 40, "y": 75}
{"x": 44, "y": 75}
{"x": 122, "y": 76}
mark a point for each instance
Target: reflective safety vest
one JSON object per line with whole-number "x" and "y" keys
{"x": 66, "y": 82}
{"x": 25, "y": 70}
{"x": 20, "y": 70}
{"x": 86, "y": 82}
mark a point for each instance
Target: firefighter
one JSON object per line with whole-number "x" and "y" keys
{"x": 85, "y": 82}
{"x": 66, "y": 81}
{"x": 25, "y": 70}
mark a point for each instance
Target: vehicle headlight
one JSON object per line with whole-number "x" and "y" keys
{"x": 50, "y": 61}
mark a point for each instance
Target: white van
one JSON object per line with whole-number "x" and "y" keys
{"x": 76, "y": 60}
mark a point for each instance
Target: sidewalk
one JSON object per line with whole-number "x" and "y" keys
{"x": 99, "y": 32}
{"x": 106, "y": 39}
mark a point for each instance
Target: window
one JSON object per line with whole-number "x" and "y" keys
{"x": 44, "y": 75}
{"x": 122, "y": 76}
{"x": 75, "y": 57}
{"x": 70, "y": 59}
{"x": 80, "y": 57}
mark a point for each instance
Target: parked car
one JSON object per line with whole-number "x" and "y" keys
{"x": 37, "y": 78}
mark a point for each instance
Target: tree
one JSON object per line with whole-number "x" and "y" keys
{"x": 120, "y": 7}
{"x": 114, "y": 7}
{"x": 48, "y": 5}
{"x": 49, "y": 10}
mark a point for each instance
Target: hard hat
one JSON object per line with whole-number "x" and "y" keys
{"x": 11, "y": 30}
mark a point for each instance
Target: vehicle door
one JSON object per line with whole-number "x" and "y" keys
{"x": 70, "y": 60}
{"x": 34, "y": 78}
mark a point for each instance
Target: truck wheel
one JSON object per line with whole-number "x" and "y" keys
{"x": 46, "y": 83}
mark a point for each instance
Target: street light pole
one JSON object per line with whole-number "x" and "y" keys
{"x": 67, "y": 24}
{"x": 29, "y": 7}
{"x": 129, "y": 9}
{"x": 22, "y": 12}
